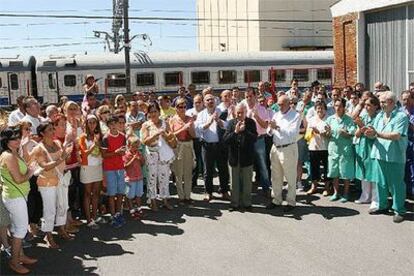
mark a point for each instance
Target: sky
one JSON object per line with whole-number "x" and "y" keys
{"x": 44, "y": 36}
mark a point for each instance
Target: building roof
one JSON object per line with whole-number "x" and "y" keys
{"x": 344, "y": 7}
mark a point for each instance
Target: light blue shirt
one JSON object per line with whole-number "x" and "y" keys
{"x": 210, "y": 134}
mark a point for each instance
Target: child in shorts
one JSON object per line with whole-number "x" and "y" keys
{"x": 113, "y": 149}
{"x": 133, "y": 161}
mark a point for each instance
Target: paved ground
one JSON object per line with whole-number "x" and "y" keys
{"x": 317, "y": 238}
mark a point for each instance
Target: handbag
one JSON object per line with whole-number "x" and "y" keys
{"x": 172, "y": 140}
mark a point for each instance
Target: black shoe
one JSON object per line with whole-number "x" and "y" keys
{"x": 271, "y": 205}
{"x": 233, "y": 208}
{"x": 288, "y": 208}
{"x": 378, "y": 211}
{"x": 398, "y": 218}
{"x": 248, "y": 209}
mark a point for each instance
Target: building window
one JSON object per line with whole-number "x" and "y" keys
{"x": 69, "y": 80}
{"x": 173, "y": 78}
{"x": 278, "y": 75}
{"x": 1, "y": 84}
{"x": 14, "y": 82}
{"x": 51, "y": 81}
{"x": 252, "y": 76}
{"x": 324, "y": 74}
{"x": 200, "y": 77}
{"x": 301, "y": 75}
{"x": 116, "y": 80}
{"x": 227, "y": 76}
{"x": 145, "y": 79}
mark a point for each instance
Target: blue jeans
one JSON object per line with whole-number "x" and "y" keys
{"x": 115, "y": 182}
{"x": 261, "y": 163}
{"x": 409, "y": 169}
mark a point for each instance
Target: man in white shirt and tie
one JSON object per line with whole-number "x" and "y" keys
{"x": 284, "y": 127}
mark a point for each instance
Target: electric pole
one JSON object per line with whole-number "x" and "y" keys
{"x": 127, "y": 47}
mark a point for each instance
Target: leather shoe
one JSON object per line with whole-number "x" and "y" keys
{"x": 288, "y": 208}
{"x": 233, "y": 208}
{"x": 378, "y": 211}
{"x": 248, "y": 209}
{"x": 19, "y": 269}
{"x": 271, "y": 205}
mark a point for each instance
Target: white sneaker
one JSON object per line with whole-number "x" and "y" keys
{"x": 93, "y": 225}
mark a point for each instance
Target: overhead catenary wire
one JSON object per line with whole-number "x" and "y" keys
{"x": 157, "y": 18}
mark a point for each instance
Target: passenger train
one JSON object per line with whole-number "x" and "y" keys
{"x": 49, "y": 78}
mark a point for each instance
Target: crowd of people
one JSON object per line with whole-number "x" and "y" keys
{"x": 67, "y": 162}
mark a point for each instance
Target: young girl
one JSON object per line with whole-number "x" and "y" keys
{"x": 133, "y": 161}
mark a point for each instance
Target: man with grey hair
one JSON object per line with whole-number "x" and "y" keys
{"x": 32, "y": 109}
{"x": 389, "y": 131}
{"x": 240, "y": 136}
{"x": 284, "y": 127}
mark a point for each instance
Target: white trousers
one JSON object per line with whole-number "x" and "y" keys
{"x": 369, "y": 193}
{"x": 283, "y": 163}
{"x": 50, "y": 217}
{"x": 158, "y": 173}
{"x": 19, "y": 217}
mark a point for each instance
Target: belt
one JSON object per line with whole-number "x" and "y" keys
{"x": 284, "y": 146}
{"x": 214, "y": 143}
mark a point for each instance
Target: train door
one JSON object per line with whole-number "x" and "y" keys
{"x": 50, "y": 87}
{"x": 13, "y": 86}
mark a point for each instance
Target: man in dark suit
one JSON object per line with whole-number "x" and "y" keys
{"x": 240, "y": 136}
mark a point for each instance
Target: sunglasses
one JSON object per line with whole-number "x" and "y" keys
{"x": 181, "y": 106}
{"x": 105, "y": 112}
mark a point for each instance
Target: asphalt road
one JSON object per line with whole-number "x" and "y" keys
{"x": 317, "y": 238}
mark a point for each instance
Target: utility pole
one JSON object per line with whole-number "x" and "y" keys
{"x": 127, "y": 47}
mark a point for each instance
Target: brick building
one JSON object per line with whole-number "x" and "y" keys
{"x": 374, "y": 40}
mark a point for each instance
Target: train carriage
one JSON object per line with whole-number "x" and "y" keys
{"x": 49, "y": 78}
{"x": 16, "y": 78}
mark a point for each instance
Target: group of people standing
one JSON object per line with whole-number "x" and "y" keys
{"x": 63, "y": 163}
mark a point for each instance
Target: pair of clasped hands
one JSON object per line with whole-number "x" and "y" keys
{"x": 368, "y": 131}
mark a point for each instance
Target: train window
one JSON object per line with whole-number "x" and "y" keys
{"x": 279, "y": 75}
{"x": 14, "y": 82}
{"x": 69, "y": 80}
{"x": 202, "y": 77}
{"x": 173, "y": 78}
{"x": 301, "y": 74}
{"x": 252, "y": 76}
{"x": 51, "y": 81}
{"x": 1, "y": 84}
{"x": 116, "y": 80}
{"x": 145, "y": 79}
{"x": 324, "y": 74}
{"x": 16, "y": 63}
{"x": 227, "y": 76}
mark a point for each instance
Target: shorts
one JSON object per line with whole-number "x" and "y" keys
{"x": 135, "y": 189}
{"x": 115, "y": 182}
{"x": 89, "y": 174}
{"x": 303, "y": 150}
{"x": 19, "y": 217}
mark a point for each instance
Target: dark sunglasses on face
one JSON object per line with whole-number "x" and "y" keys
{"x": 181, "y": 106}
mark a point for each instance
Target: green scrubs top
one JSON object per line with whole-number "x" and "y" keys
{"x": 341, "y": 159}
{"x": 363, "y": 147}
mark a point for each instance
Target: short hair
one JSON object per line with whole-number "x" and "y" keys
{"x": 251, "y": 89}
{"x": 322, "y": 104}
{"x": 50, "y": 108}
{"x": 112, "y": 119}
{"x": 390, "y": 96}
{"x": 235, "y": 88}
{"x": 28, "y": 101}
{"x": 406, "y": 92}
{"x": 154, "y": 105}
{"x": 374, "y": 100}
{"x": 180, "y": 101}
{"x": 342, "y": 101}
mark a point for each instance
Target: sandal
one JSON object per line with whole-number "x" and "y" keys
{"x": 51, "y": 243}
{"x": 27, "y": 260}
{"x": 19, "y": 269}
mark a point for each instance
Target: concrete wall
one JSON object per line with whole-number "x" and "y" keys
{"x": 223, "y": 34}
